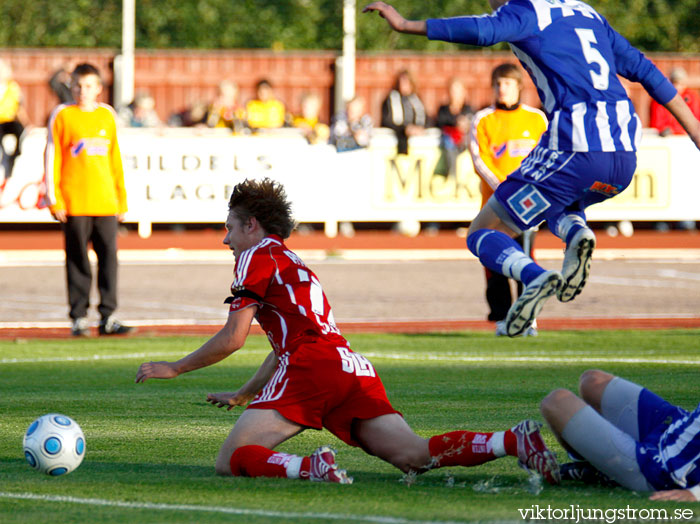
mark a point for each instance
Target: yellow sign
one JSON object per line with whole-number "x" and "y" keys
{"x": 412, "y": 179}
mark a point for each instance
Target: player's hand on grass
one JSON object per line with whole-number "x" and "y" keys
{"x": 156, "y": 370}
{"x": 682, "y": 495}
{"x": 230, "y": 400}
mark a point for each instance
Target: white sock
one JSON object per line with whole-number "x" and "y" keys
{"x": 496, "y": 443}
{"x": 293, "y": 467}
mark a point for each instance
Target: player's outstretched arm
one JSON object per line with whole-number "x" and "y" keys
{"x": 230, "y": 338}
{"x": 249, "y": 389}
{"x": 680, "y": 110}
{"x": 395, "y": 20}
{"x": 681, "y": 495}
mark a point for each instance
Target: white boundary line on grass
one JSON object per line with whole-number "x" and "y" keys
{"x": 424, "y": 357}
{"x": 217, "y": 509}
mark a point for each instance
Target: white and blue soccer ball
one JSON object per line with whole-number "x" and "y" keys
{"x": 54, "y": 444}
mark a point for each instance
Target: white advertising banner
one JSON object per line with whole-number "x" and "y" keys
{"x": 186, "y": 176}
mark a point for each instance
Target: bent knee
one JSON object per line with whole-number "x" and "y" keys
{"x": 592, "y": 383}
{"x": 223, "y": 464}
{"x": 553, "y": 402}
{"x": 410, "y": 462}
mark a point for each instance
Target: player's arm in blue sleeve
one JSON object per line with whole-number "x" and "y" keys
{"x": 510, "y": 23}
{"x": 633, "y": 65}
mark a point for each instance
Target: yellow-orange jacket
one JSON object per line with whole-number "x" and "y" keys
{"x": 84, "y": 173}
{"x": 499, "y": 141}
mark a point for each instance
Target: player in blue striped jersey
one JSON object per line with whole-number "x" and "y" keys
{"x": 632, "y": 435}
{"x": 588, "y": 153}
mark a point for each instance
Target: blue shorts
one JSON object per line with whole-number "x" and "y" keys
{"x": 655, "y": 415}
{"x": 551, "y": 183}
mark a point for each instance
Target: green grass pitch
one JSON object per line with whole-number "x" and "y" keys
{"x": 151, "y": 447}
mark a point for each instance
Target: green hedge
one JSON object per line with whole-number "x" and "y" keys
{"x": 652, "y": 25}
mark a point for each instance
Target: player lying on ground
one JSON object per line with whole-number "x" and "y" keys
{"x": 587, "y": 154}
{"x": 312, "y": 379}
{"x": 633, "y": 436}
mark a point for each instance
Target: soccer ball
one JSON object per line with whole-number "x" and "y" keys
{"x": 54, "y": 444}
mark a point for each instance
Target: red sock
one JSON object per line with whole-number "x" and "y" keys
{"x": 467, "y": 448}
{"x": 259, "y": 461}
{"x": 510, "y": 442}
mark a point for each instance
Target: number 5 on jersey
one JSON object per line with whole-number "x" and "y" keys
{"x": 593, "y": 56}
{"x": 355, "y": 363}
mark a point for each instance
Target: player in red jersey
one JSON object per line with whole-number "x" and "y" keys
{"x": 312, "y": 379}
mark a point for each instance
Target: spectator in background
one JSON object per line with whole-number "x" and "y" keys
{"x": 403, "y": 111}
{"x": 60, "y": 84}
{"x": 352, "y": 128}
{"x": 13, "y": 117}
{"x": 141, "y": 112}
{"x": 85, "y": 192}
{"x": 502, "y": 136}
{"x": 225, "y": 111}
{"x": 661, "y": 119}
{"x": 454, "y": 119}
{"x": 195, "y": 115}
{"x": 265, "y": 111}
{"x": 315, "y": 131}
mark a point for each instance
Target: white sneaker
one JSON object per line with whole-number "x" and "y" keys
{"x": 577, "y": 264}
{"x": 80, "y": 327}
{"x": 525, "y": 309}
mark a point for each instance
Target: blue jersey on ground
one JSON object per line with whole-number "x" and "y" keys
{"x": 668, "y": 452}
{"x": 573, "y": 57}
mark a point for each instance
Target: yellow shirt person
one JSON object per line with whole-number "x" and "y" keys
{"x": 265, "y": 111}
{"x": 501, "y": 136}
{"x": 85, "y": 192}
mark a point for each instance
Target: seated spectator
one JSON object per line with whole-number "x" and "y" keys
{"x": 351, "y": 129}
{"x": 454, "y": 117}
{"x": 265, "y": 111}
{"x": 193, "y": 116}
{"x": 13, "y": 117}
{"x": 403, "y": 111}
{"x": 225, "y": 111}
{"x": 140, "y": 113}
{"x": 660, "y": 119}
{"x": 313, "y": 129}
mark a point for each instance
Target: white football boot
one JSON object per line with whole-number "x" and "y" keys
{"x": 577, "y": 264}
{"x": 525, "y": 309}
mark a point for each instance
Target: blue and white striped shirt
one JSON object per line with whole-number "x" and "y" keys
{"x": 679, "y": 449}
{"x": 573, "y": 57}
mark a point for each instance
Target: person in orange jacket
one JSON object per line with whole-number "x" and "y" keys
{"x": 85, "y": 192}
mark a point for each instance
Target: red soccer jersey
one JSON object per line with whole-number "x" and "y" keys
{"x": 292, "y": 308}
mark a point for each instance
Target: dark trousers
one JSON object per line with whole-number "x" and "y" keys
{"x": 498, "y": 292}
{"x": 102, "y": 233}
{"x": 11, "y": 128}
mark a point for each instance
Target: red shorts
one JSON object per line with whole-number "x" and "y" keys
{"x": 321, "y": 385}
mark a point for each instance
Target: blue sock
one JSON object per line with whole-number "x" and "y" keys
{"x": 500, "y": 253}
